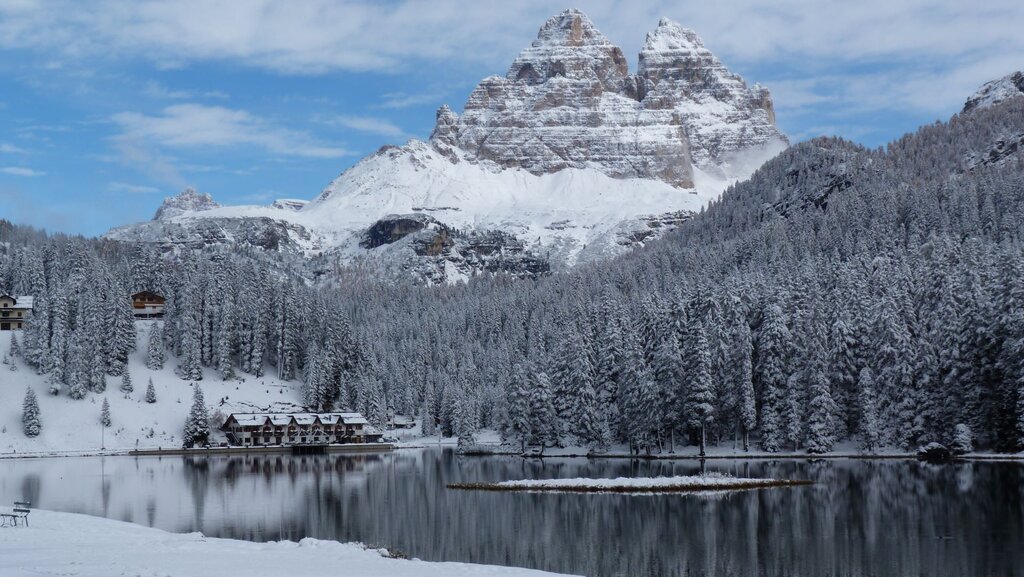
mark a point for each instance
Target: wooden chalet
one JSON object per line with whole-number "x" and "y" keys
{"x": 148, "y": 305}
{"x": 14, "y": 312}
{"x": 268, "y": 429}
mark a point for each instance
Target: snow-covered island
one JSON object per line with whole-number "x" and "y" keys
{"x": 682, "y": 484}
{"x": 83, "y": 546}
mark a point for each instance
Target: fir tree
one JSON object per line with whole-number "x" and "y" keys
{"x": 155, "y": 348}
{"x": 700, "y": 394}
{"x": 542, "y": 411}
{"x": 150, "y": 392}
{"x": 15, "y": 350}
{"x": 963, "y": 440}
{"x": 743, "y": 381}
{"x": 30, "y": 414}
{"x": 518, "y": 427}
{"x": 821, "y": 417}
{"x": 869, "y": 433}
{"x": 773, "y": 358}
{"x": 105, "y": 413}
{"x": 126, "y": 382}
{"x": 197, "y": 426}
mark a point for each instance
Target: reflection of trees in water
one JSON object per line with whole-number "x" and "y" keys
{"x": 861, "y": 518}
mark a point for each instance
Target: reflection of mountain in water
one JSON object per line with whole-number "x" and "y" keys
{"x": 861, "y": 518}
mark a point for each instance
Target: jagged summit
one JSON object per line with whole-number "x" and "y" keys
{"x": 187, "y": 201}
{"x": 569, "y": 101}
{"x": 569, "y": 46}
{"x": 996, "y": 91}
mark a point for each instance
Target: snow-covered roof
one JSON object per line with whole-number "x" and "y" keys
{"x": 280, "y": 419}
{"x": 22, "y": 302}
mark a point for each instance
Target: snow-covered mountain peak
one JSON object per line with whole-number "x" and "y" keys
{"x": 566, "y": 158}
{"x": 569, "y": 46}
{"x": 992, "y": 93}
{"x": 672, "y": 36}
{"x": 189, "y": 200}
{"x": 569, "y": 101}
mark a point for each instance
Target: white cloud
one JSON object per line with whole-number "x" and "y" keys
{"x": 157, "y": 90}
{"x": 20, "y": 171}
{"x": 370, "y": 125}
{"x": 6, "y": 148}
{"x": 184, "y": 126}
{"x": 396, "y": 100}
{"x": 132, "y": 188}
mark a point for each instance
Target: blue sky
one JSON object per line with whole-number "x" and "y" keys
{"x": 107, "y": 107}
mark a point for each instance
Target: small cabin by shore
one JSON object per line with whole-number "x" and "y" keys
{"x": 14, "y": 312}
{"x": 148, "y": 305}
{"x": 268, "y": 429}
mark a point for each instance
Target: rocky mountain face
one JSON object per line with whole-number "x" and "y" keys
{"x": 991, "y": 93}
{"x": 569, "y": 101}
{"x": 567, "y": 158}
{"x": 189, "y": 201}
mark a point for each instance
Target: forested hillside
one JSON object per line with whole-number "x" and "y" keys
{"x": 840, "y": 293}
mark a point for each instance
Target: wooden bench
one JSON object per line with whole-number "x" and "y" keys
{"x": 18, "y": 513}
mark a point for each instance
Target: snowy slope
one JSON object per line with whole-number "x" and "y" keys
{"x": 71, "y": 426}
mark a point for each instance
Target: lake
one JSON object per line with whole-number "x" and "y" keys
{"x": 861, "y": 518}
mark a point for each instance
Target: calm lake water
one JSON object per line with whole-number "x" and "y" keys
{"x": 861, "y": 518}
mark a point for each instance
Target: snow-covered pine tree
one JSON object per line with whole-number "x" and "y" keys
{"x": 30, "y": 421}
{"x": 105, "y": 413}
{"x": 197, "y": 426}
{"x": 465, "y": 418}
{"x": 225, "y": 340}
{"x": 518, "y": 427}
{"x": 155, "y": 348}
{"x": 963, "y": 440}
{"x": 126, "y": 382}
{"x": 742, "y": 364}
{"x": 575, "y": 397}
{"x": 821, "y": 434}
{"x": 15, "y": 350}
{"x": 542, "y": 411}
{"x": 314, "y": 379}
{"x": 150, "y": 392}
{"x": 868, "y": 427}
{"x": 700, "y": 392}
{"x": 638, "y": 397}
{"x": 774, "y": 352}
{"x": 669, "y": 377}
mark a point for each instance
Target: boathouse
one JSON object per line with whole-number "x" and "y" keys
{"x": 263, "y": 429}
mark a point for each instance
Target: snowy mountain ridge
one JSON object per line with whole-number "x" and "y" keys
{"x": 568, "y": 155}
{"x": 997, "y": 91}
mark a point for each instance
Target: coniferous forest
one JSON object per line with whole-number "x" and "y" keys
{"x": 842, "y": 293}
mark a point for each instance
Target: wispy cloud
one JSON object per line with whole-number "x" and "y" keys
{"x": 20, "y": 171}
{"x": 197, "y": 126}
{"x": 397, "y": 100}
{"x": 6, "y": 148}
{"x": 369, "y": 124}
{"x": 159, "y": 91}
{"x": 132, "y": 188}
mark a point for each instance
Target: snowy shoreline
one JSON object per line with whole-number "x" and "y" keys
{"x": 84, "y": 546}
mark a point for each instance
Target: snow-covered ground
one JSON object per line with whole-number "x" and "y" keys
{"x": 83, "y": 546}
{"x": 73, "y": 427}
